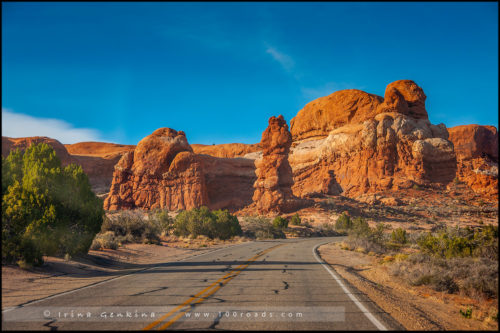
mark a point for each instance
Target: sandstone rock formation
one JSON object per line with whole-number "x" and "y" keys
{"x": 228, "y": 150}
{"x": 100, "y": 149}
{"x": 96, "y": 158}
{"x": 351, "y": 142}
{"x": 164, "y": 172}
{"x": 9, "y": 144}
{"x": 273, "y": 188}
{"x": 477, "y": 155}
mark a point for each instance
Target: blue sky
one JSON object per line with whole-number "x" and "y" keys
{"x": 115, "y": 72}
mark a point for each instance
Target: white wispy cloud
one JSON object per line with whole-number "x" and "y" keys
{"x": 18, "y": 125}
{"x": 282, "y": 58}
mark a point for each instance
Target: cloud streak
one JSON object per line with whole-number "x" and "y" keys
{"x": 283, "y": 59}
{"x": 18, "y": 125}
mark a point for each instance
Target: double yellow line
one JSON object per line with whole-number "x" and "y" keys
{"x": 208, "y": 291}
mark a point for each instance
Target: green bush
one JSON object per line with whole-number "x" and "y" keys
{"x": 46, "y": 209}
{"x": 295, "y": 219}
{"x": 201, "y": 221}
{"x": 280, "y": 222}
{"x": 343, "y": 223}
{"x": 262, "y": 228}
{"x": 450, "y": 243}
{"x": 132, "y": 227}
{"x": 398, "y": 236}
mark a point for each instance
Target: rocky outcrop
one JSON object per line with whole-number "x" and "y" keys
{"x": 164, "y": 172}
{"x": 353, "y": 143}
{"x": 98, "y": 160}
{"x": 228, "y": 150}
{"x": 98, "y": 149}
{"x": 477, "y": 156}
{"x": 9, "y": 144}
{"x": 273, "y": 188}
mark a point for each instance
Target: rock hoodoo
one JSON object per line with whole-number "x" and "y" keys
{"x": 162, "y": 172}
{"x": 477, "y": 155}
{"x": 273, "y": 188}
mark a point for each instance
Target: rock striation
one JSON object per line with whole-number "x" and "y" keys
{"x": 351, "y": 142}
{"x": 477, "y": 156}
{"x": 273, "y": 187}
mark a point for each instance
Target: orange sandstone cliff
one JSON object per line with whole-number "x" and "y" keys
{"x": 351, "y": 143}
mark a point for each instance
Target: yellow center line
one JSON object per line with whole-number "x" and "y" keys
{"x": 219, "y": 284}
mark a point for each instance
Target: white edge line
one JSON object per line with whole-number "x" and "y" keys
{"x": 367, "y": 313}
{"x": 113, "y": 279}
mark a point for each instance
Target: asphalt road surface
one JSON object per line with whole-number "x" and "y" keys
{"x": 263, "y": 285}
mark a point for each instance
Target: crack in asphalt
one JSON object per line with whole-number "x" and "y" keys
{"x": 52, "y": 328}
{"x": 151, "y": 291}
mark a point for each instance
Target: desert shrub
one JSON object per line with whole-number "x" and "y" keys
{"x": 262, "y": 228}
{"x": 398, "y": 236}
{"x": 162, "y": 218}
{"x": 46, "y": 209}
{"x": 474, "y": 277}
{"x": 343, "y": 223}
{"x": 327, "y": 229}
{"x": 132, "y": 227}
{"x": 201, "y": 221}
{"x": 466, "y": 242}
{"x": 280, "y": 222}
{"x": 295, "y": 219}
{"x": 106, "y": 240}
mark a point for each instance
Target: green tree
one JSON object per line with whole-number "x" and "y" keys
{"x": 280, "y": 222}
{"x": 343, "y": 223}
{"x": 46, "y": 209}
{"x": 295, "y": 219}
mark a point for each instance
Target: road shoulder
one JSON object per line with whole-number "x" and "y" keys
{"x": 58, "y": 276}
{"x": 413, "y": 308}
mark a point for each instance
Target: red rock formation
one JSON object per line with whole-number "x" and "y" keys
{"x": 9, "y": 144}
{"x": 229, "y": 150}
{"x": 97, "y": 159}
{"x": 351, "y": 142}
{"x": 99, "y": 149}
{"x": 163, "y": 172}
{"x": 477, "y": 155}
{"x": 273, "y": 191}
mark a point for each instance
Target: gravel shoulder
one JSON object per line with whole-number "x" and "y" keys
{"x": 415, "y": 308}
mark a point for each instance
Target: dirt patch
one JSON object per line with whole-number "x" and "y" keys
{"x": 416, "y": 308}
{"x": 20, "y": 286}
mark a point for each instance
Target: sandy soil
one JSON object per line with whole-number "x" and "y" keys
{"x": 416, "y": 308}
{"x": 57, "y": 275}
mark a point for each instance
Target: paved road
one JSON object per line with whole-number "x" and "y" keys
{"x": 272, "y": 285}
